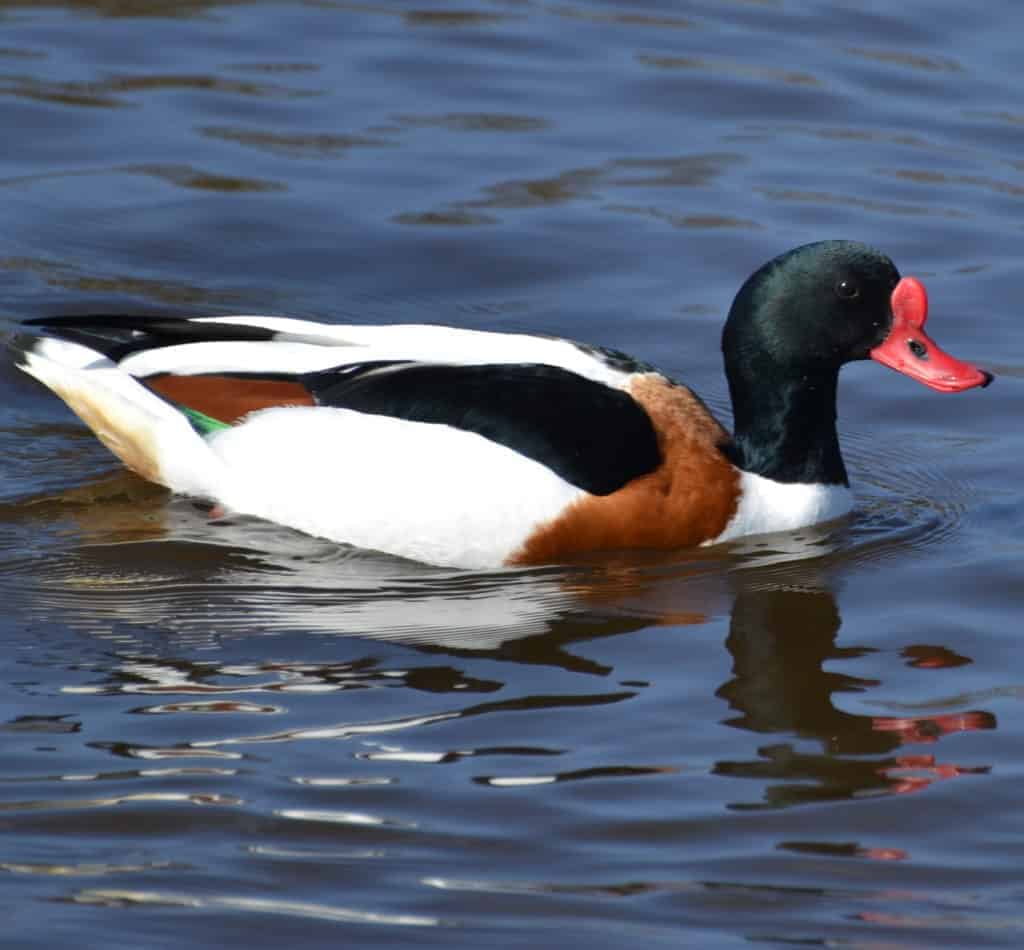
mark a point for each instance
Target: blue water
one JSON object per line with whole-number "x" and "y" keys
{"x": 234, "y": 735}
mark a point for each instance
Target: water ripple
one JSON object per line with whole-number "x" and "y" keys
{"x": 69, "y": 804}
{"x": 249, "y": 905}
{"x": 286, "y": 145}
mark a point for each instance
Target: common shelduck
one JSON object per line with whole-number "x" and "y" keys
{"x": 476, "y": 449}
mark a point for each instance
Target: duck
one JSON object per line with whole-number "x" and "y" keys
{"x": 474, "y": 449}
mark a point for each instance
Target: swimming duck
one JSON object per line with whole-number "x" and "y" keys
{"x": 477, "y": 449}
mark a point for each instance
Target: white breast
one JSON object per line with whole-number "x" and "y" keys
{"x": 767, "y": 506}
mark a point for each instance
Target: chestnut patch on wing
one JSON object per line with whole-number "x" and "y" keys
{"x": 687, "y": 500}
{"x": 229, "y": 398}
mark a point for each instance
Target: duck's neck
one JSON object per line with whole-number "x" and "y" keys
{"x": 785, "y": 427}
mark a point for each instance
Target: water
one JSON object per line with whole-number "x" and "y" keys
{"x": 233, "y": 735}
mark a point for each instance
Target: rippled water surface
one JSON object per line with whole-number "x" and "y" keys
{"x": 225, "y": 735}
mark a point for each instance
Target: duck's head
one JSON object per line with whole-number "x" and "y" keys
{"x": 816, "y": 307}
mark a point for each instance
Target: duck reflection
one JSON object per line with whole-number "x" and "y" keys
{"x": 159, "y": 564}
{"x": 780, "y": 640}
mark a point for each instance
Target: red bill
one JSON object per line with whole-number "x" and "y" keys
{"x": 910, "y": 351}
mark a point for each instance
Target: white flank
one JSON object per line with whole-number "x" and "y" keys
{"x": 417, "y": 490}
{"x": 767, "y": 506}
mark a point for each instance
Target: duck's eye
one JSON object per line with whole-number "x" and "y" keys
{"x": 847, "y": 289}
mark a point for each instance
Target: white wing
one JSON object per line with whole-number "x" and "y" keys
{"x": 304, "y": 347}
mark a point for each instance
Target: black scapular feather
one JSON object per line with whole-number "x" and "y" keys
{"x": 593, "y": 436}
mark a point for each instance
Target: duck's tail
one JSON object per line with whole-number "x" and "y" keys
{"x": 148, "y": 434}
